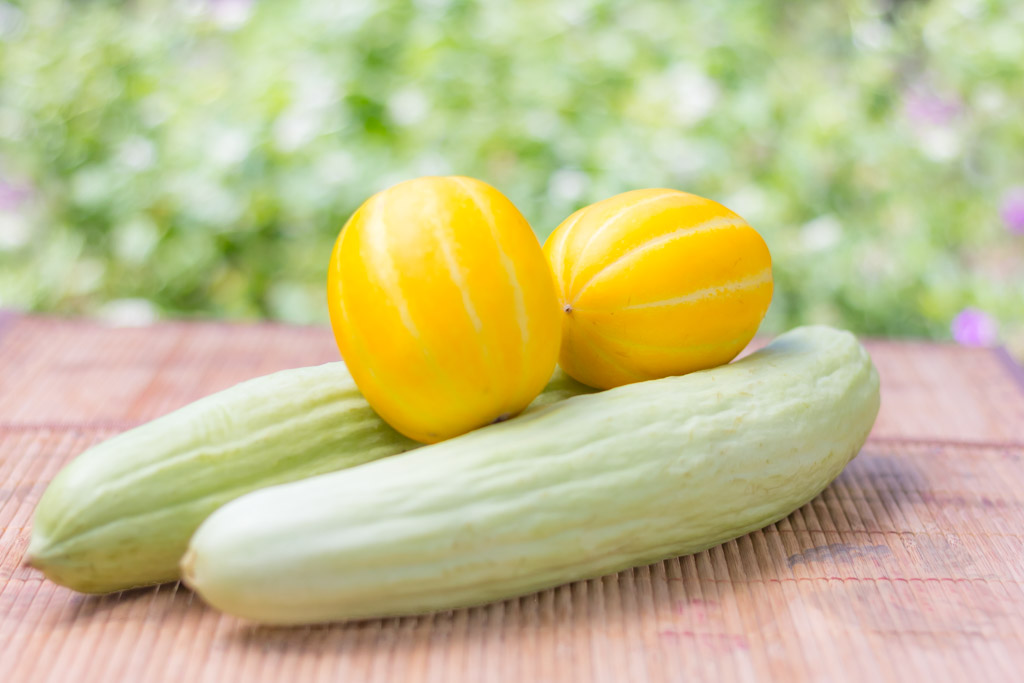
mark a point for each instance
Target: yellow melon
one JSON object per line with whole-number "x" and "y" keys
{"x": 443, "y": 306}
{"x": 654, "y": 283}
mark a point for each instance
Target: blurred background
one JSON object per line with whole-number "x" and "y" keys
{"x": 196, "y": 158}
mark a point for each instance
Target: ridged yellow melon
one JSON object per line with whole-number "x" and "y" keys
{"x": 654, "y": 283}
{"x": 443, "y": 306}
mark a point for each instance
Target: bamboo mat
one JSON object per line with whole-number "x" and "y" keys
{"x": 909, "y": 567}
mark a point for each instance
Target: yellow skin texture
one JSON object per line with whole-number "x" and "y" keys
{"x": 655, "y": 283}
{"x": 443, "y": 306}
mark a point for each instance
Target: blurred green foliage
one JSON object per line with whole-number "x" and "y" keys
{"x": 199, "y": 157}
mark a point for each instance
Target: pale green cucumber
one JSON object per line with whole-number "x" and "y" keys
{"x": 588, "y": 486}
{"x": 120, "y": 514}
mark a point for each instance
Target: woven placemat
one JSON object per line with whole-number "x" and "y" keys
{"x": 910, "y": 565}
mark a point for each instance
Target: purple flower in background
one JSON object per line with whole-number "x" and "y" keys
{"x": 13, "y": 195}
{"x": 231, "y": 14}
{"x": 1012, "y": 210}
{"x": 973, "y": 327}
{"x": 923, "y": 106}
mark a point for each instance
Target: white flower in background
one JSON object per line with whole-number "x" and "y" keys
{"x": 207, "y": 201}
{"x": 685, "y": 158}
{"x": 876, "y": 263}
{"x": 314, "y": 97}
{"x": 433, "y": 164}
{"x": 821, "y": 234}
{"x": 336, "y": 168}
{"x": 872, "y": 34}
{"x": 296, "y": 128}
{"x": 939, "y": 143}
{"x": 91, "y": 186}
{"x": 408, "y": 106}
{"x": 437, "y": 5}
{"x": 136, "y": 153}
{"x": 541, "y": 124}
{"x": 751, "y": 202}
{"x": 230, "y": 15}
{"x": 990, "y": 99}
{"x": 12, "y": 123}
{"x": 614, "y": 48}
{"x": 573, "y": 12}
{"x": 386, "y": 180}
{"x": 315, "y": 86}
{"x": 15, "y": 230}
{"x": 156, "y": 109}
{"x": 968, "y": 8}
{"x": 128, "y": 313}
{"x": 338, "y": 18}
{"x": 692, "y": 93}
{"x": 228, "y": 146}
{"x": 1006, "y": 42}
{"x": 15, "y": 227}
{"x": 135, "y": 240}
{"x": 568, "y": 185}
{"x": 10, "y": 19}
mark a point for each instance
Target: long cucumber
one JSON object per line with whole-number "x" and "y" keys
{"x": 587, "y": 486}
{"x": 121, "y": 513}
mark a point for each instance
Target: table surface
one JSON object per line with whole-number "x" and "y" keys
{"x": 909, "y": 566}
